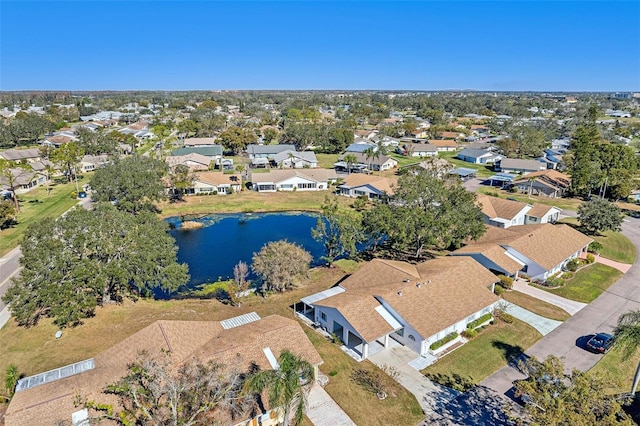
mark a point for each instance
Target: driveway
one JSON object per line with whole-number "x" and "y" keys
{"x": 431, "y": 396}
{"x": 567, "y": 341}
{"x": 570, "y": 306}
{"x": 324, "y": 411}
{"x": 472, "y": 184}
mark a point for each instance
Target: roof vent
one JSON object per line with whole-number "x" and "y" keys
{"x": 406, "y": 280}
{"x": 418, "y": 285}
{"x": 428, "y": 281}
{"x": 399, "y": 292}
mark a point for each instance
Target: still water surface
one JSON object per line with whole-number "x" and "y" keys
{"x": 212, "y": 251}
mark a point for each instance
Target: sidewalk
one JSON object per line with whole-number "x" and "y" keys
{"x": 323, "y": 410}
{"x": 540, "y": 323}
{"x": 622, "y": 267}
{"x": 571, "y": 306}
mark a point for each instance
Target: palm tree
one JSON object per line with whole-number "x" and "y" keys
{"x": 531, "y": 179}
{"x": 369, "y": 153}
{"x": 350, "y": 159}
{"x": 286, "y": 386}
{"x": 627, "y": 334}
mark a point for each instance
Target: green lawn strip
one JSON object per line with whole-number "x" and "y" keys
{"x": 491, "y": 350}
{"x": 618, "y": 373}
{"x": 616, "y": 246}
{"x": 536, "y": 306}
{"x": 588, "y": 283}
{"x": 326, "y": 161}
{"x": 561, "y": 203}
{"x": 35, "y": 206}
{"x": 400, "y": 408}
{"x": 251, "y": 201}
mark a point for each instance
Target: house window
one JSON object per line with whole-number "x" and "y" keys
{"x": 471, "y": 318}
{"x": 307, "y": 185}
{"x": 532, "y": 219}
{"x": 412, "y": 338}
{"x": 358, "y": 193}
{"x": 286, "y": 186}
{"x": 323, "y": 316}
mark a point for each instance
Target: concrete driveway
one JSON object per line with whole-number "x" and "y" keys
{"x": 568, "y": 340}
{"x": 431, "y": 396}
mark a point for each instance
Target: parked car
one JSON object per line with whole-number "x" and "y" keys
{"x": 600, "y": 343}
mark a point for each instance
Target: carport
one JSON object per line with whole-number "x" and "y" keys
{"x": 502, "y": 179}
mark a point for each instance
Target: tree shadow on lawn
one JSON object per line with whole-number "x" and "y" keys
{"x": 510, "y": 352}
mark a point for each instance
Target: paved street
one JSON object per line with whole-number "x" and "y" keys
{"x": 568, "y": 340}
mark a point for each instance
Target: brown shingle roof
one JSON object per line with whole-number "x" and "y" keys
{"x": 494, "y": 207}
{"x": 48, "y": 403}
{"x": 381, "y": 183}
{"x": 452, "y": 288}
{"x": 552, "y": 178}
{"x": 443, "y": 143}
{"x": 546, "y": 244}
{"x": 217, "y": 178}
{"x": 539, "y": 210}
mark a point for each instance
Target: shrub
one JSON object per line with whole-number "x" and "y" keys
{"x": 567, "y": 275}
{"x": 513, "y": 189}
{"x": 507, "y": 318}
{"x": 369, "y": 380}
{"x": 470, "y": 334}
{"x": 498, "y": 290}
{"x": 524, "y": 276}
{"x": 573, "y": 265}
{"x": 590, "y": 258}
{"x": 506, "y": 282}
{"x": 333, "y": 373}
{"x": 594, "y": 247}
{"x": 446, "y": 339}
{"x": 554, "y": 281}
{"x": 453, "y": 381}
{"x": 476, "y": 322}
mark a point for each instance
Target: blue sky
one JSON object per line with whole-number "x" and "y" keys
{"x": 431, "y": 45}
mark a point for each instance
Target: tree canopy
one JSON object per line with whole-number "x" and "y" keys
{"x": 88, "y": 258}
{"x": 280, "y": 264}
{"x": 579, "y": 398}
{"x": 599, "y": 215}
{"x": 132, "y": 184}
{"x": 425, "y": 212}
{"x": 338, "y": 231}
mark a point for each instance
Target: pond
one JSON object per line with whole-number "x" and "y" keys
{"x": 213, "y": 250}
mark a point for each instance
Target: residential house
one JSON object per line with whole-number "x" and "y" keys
{"x": 542, "y": 213}
{"x": 417, "y": 150}
{"x": 241, "y": 342}
{"x": 214, "y": 153}
{"x": 414, "y": 304}
{"x": 21, "y": 155}
{"x": 24, "y": 180}
{"x": 294, "y": 159}
{"x": 477, "y": 156}
{"x": 445, "y": 145}
{"x": 267, "y": 151}
{"x": 379, "y": 163}
{"x": 139, "y": 129}
{"x": 365, "y": 134}
{"x": 505, "y": 213}
{"x": 371, "y": 186}
{"x": 539, "y": 251}
{"x": 550, "y": 183}
{"x": 89, "y": 163}
{"x": 517, "y": 165}
{"x": 194, "y": 161}
{"x": 360, "y": 146}
{"x": 207, "y": 183}
{"x": 56, "y": 141}
{"x": 439, "y": 166}
{"x": 420, "y": 133}
{"x": 293, "y": 180}
{"x": 191, "y": 142}
{"x": 450, "y": 135}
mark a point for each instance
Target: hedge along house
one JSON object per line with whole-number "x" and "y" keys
{"x": 415, "y": 305}
{"x": 539, "y": 251}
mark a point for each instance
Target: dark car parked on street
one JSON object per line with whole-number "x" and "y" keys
{"x": 600, "y": 343}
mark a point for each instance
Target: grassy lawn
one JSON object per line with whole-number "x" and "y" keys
{"x": 536, "y": 306}
{"x": 618, "y": 373}
{"x": 491, "y": 350}
{"x": 250, "y": 201}
{"x": 35, "y": 349}
{"x": 400, "y": 408}
{"x": 588, "y": 283}
{"x": 561, "y": 203}
{"x": 326, "y": 160}
{"x": 35, "y": 206}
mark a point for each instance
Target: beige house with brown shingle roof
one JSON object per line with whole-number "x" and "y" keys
{"x": 370, "y": 186}
{"x": 416, "y": 305}
{"x": 237, "y": 342}
{"x": 539, "y": 251}
{"x": 293, "y": 180}
{"x": 207, "y": 183}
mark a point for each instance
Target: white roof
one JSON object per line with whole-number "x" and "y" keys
{"x": 239, "y": 320}
{"x": 310, "y": 300}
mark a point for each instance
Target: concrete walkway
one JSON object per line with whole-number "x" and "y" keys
{"x": 571, "y": 306}
{"x": 540, "y": 323}
{"x": 622, "y": 267}
{"x": 431, "y": 396}
{"x": 323, "y": 411}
